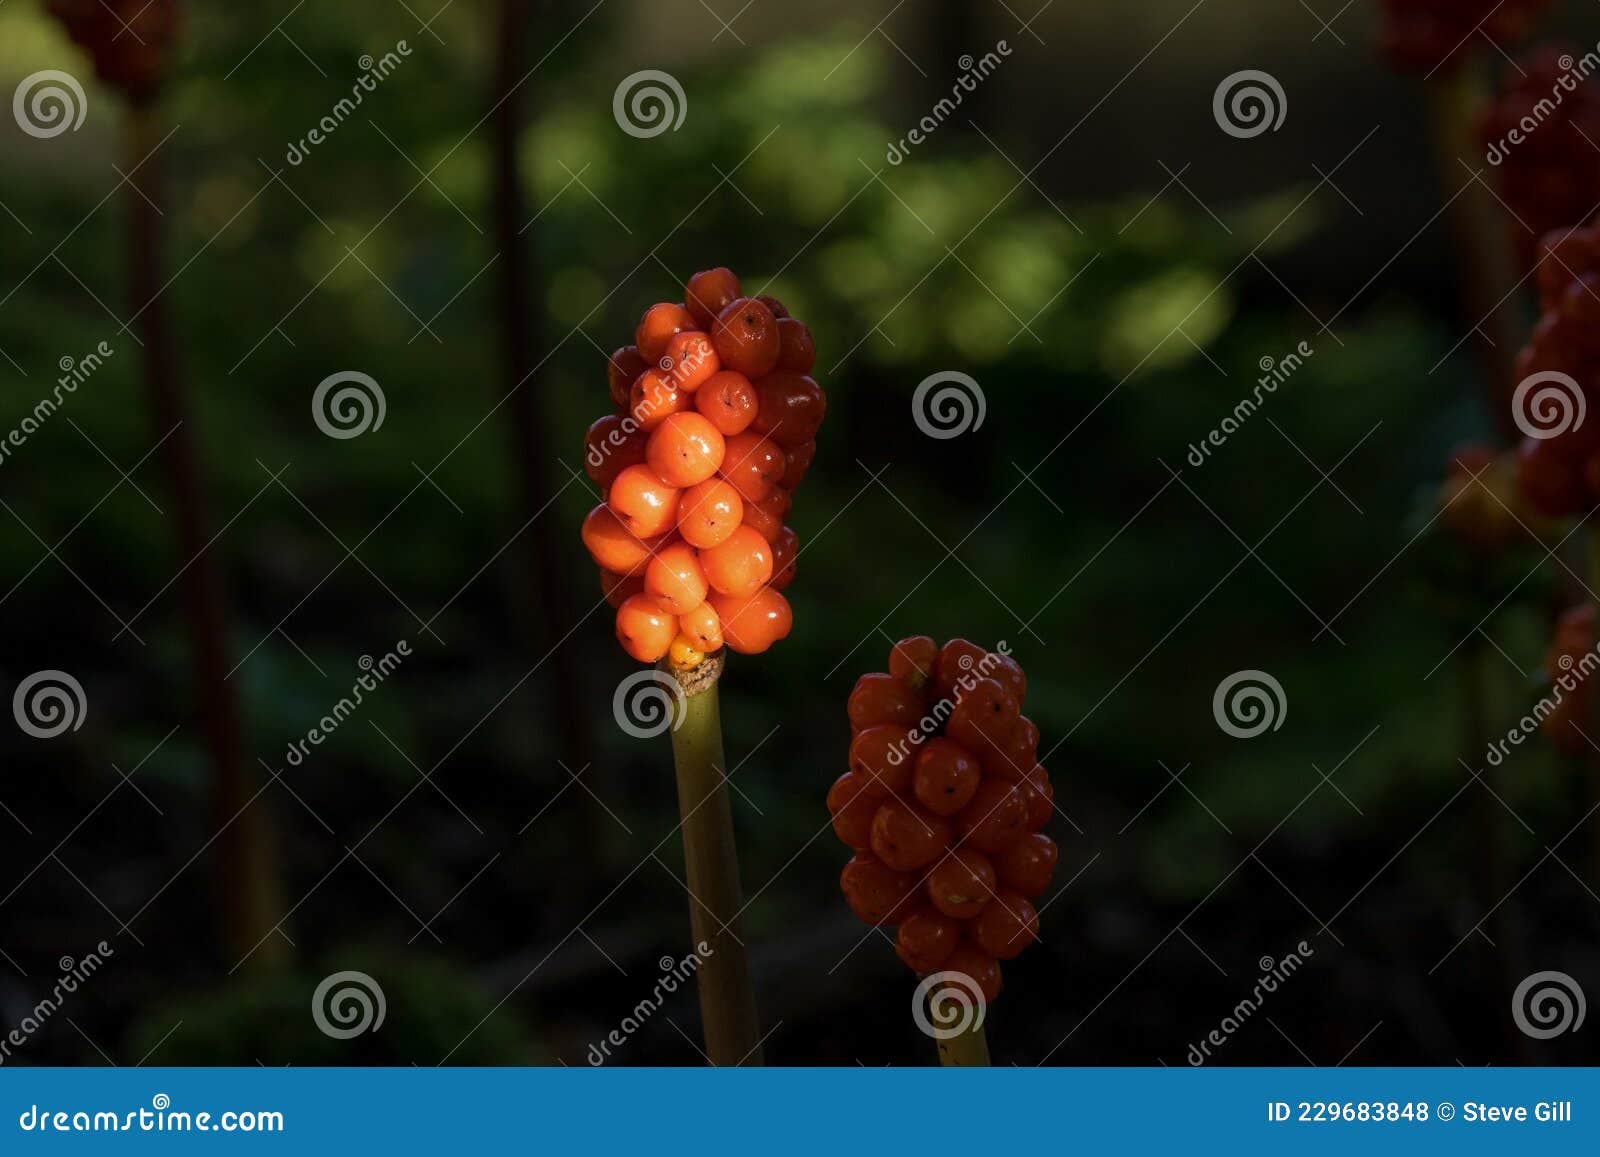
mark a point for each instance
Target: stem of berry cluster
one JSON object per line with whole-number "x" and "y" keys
{"x": 1479, "y": 230}
{"x": 969, "y": 1049}
{"x": 711, "y": 863}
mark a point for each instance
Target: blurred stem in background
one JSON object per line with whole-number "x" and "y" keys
{"x": 1589, "y": 764}
{"x": 1493, "y": 879}
{"x": 1457, "y": 96}
{"x": 248, "y": 888}
{"x": 546, "y": 604}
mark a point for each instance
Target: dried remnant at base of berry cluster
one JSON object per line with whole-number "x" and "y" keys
{"x": 131, "y": 41}
{"x": 1425, "y": 35}
{"x": 715, "y": 425}
{"x": 943, "y": 804}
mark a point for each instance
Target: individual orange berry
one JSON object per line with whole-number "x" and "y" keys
{"x": 1552, "y": 482}
{"x": 875, "y": 891}
{"x": 796, "y": 351}
{"x": 1006, "y": 926}
{"x": 797, "y": 460}
{"x": 623, "y": 367}
{"x": 740, "y": 565}
{"x": 746, "y": 336}
{"x": 644, "y": 629}
{"x": 983, "y": 718}
{"x": 926, "y": 940}
{"x": 1013, "y": 755}
{"x": 674, "y": 579}
{"x": 1006, "y": 671}
{"x": 790, "y": 408}
{"x": 702, "y": 627}
{"x": 852, "y": 810}
{"x": 785, "y": 549}
{"x": 684, "y": 655}
{"x": 685, "y": 449}
{"x": 708, "y": 512}
{"x": 618, "y": 588}
{"x": 961, "y": 884}
{"x": 610, "y": 446}
{"x": 646, "y": 505}
{"x": 766, "y": 516}
{"x": 1027, "y": 865}
{"x": 729, "y": 400}
{"x": 690, "y": 361}
{"x": 708, "y": 292}
{"x": 753, "y": 465}
{"x": 958, "y": 661}
{"x": 657, "y": 326}
{"x": 911, "y": 661}
{"x": 773, "y": 304}
{"x": 945, "y": 778}
{"x": 885, "y": 757}
{"x": 752, "y": 623}
{"x": 655, "y": 398}
{"x": 994, "y": 819}
{"x": 907, "y": 837}
{"x": 1040, "y": 797}
{"x": 612, "y": 546}
{"x": 880, "y": 698}
{"x": 980, "y": 967}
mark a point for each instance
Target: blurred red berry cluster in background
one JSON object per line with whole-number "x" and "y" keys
{"x": 1560, "y": 471}
{"x": 130, "y": 41}
{"x": 943, "y": 804}
{"x": 1422, "y": 35}
{"x": 1543, "y": 135}
{"x": 715, "y": 425}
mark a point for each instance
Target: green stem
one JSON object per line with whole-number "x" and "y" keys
{"x": 968, "y": 1050}
{"x": 1480, "y": 229}
{"x": 711, "y": 862}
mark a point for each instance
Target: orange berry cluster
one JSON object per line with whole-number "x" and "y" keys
{"x": 715, "y": 424}
{"x": 1560, "y": 474}
{"x": 943, "y": 804}
{"x": 130, "y": 41}
{"x": 1549, "y": 177}
{"x": 1574, "y": 639}
{"x": 1422, "y": 35}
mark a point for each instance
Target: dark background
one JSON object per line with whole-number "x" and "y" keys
{"x": 1082, "y": 239}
